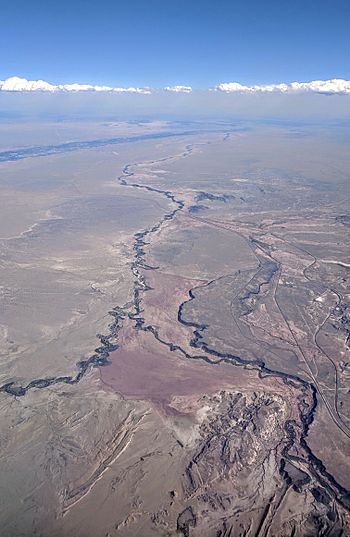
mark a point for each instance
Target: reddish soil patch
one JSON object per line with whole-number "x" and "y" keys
{"x": 168, "y": 290}
{"x": 161, "y": 305}
{"x": 144, "y": 369}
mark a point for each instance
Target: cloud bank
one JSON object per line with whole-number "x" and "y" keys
{"x": 334, "y": 86}
{"x": 179, "y": 89}
{"x": 16, "y": 83}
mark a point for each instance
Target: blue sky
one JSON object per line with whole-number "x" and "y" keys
{"x": 158, "y": 43}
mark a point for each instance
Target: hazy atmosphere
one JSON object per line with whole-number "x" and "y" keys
{"x": 197, "y": 105}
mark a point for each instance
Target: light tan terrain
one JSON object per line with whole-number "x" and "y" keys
{"x": 175, "y": 335}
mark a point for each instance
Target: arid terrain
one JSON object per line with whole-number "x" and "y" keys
{"x": 175, "y": 330}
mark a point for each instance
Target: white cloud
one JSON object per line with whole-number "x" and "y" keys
{"x": 22, "y": 84}
{"x": 145, "y": 91}
{"x": 81, "y": 87}
{"x": 334, "y": 86}
{"x": 16, "y": 83}
{"x": 179, "y": 89}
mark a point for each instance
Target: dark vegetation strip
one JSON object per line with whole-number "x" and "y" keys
{"x": 42, "y": 151}
{"x": 66, "y": 147}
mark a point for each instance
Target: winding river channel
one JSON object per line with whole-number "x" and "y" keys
{"x": 295, "y": 433}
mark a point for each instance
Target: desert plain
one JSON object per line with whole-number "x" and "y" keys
{"x": 175, "y": 330}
